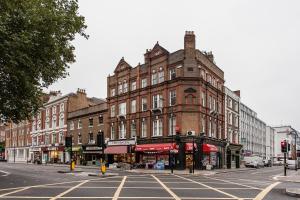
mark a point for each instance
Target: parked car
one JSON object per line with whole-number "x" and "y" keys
{"x": 291, "y": 164}
{"x": 253, "y": 161}
{"x": 278, "y": 162}
{"x": 267, "y": 163}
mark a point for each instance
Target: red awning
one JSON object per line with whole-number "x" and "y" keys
{"x": 155, "y": 147}
{"x": 206, "y": 147}
{"x": 209, "y": 148}
{"x": 115, "y": 150}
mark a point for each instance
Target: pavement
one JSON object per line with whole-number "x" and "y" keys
{"x": 23, "y": 181}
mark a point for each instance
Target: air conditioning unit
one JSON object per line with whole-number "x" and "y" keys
{"x": 190, "y": 133}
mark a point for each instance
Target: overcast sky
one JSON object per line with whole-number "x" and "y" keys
{"x": 256, "y": 44}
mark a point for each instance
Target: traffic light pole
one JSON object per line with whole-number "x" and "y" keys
{"x": 285, "y": 164}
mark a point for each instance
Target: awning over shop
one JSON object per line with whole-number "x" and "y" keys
{"x": 155, "y": 147}
{"x": 206, "y": 147}
{"x": 209, "y": 148}
{"x": 115, "y": 150}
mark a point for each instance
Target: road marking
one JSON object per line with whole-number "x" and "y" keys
{"x": 15, "y": 191}
{"x": 69, "y": 190}
{"x": 234, "y": 183}
{"x": 5, "y": 173}
{"x": 263, "y": 193}
{"x": 166, "y": 188}
{"x": 265, "y": 171}
{"x": 118, "y": 191}
{"x": 220, "y": 191}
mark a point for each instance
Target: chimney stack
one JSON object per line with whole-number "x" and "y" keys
{"x": 238, "y": 93}
{"x": 190, "y": 44}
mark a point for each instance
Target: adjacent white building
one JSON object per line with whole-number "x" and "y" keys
{"x": 285, "y": 133}
{"x": 252, "y": 132}
{"x": 270, "y": 142}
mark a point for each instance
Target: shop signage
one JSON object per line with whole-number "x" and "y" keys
{"x": 35, "y": 149}
{"x": 93, "y": 148}
{"x": 121, "y": 142}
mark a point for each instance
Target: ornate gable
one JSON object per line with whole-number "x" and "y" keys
{"x": 158, "y": 51}
{"x": 122, "y": 66}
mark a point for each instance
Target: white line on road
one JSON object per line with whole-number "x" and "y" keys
{"x": 266, "y": 171}
{"x": 263, "y": 193}
{"x": 15, "y": 191}
{"x": 118, "y": 191}
{"x": 233, "y": 183}
{"x": 199, "y": 183}
{"x": 69, "y": 190}
{"x": 166, "y": 188}
{"x": 5, "y": 173}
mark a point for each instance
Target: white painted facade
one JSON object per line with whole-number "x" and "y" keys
{"x": 270, "y": 142}
{"x": 252, "y": 132}
{"x": 284, "y": 133}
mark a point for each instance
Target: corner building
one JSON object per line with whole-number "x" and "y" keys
{"x": 183, "y": 91}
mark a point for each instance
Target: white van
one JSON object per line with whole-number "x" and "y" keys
{"x": 253, "y": 161}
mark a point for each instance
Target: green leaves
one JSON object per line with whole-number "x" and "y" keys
{"x": 35, "y": 51}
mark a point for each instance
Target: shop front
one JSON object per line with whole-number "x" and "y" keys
{"x": 156, "y": 156}
{"x": 77, "y": 154}
{"x": 36, "y": 155}
{"x": 53, "y": 154}
{"x": 233, "y": 156}
{"x": 91, "y": 155}
{"x": 120, "y": 151}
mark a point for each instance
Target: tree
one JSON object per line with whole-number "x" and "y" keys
{"x": 35, "y": 51}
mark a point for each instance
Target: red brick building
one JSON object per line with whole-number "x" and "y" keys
{"x": 146, "y": 103}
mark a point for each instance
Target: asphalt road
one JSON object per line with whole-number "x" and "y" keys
{"x": 21, "y": 181}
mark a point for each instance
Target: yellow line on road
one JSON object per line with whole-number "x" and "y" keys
{"x": 263, "y": 193}
{"x": 69, "y": 190}
{"x": 220, "y": 191}
{"x": 166, "y": 188}
{"x": 118, "y": 191}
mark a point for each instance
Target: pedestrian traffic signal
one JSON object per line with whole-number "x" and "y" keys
{"x": 284, "y": 146}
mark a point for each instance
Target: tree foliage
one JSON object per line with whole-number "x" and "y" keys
{"x": 35, "y": 51}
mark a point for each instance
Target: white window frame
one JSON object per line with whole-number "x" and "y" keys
{"x": 122, "y": 130}
{"x": 133, "y": 86}
{"x": 171, "y": 72}
{"x": 113, "y": 111}
{"x": 133, "y": 106}
{"x": 172, "y": 130}
{"x": 172, "y": 95}
{"x": 122, "y": 108}
{"x": 144, "y": 102}
{"x": 161, "y": 76}
{"x": 144, "y": 127}
{"x": 154, "y": 78}
{"x": 144, "y": 82}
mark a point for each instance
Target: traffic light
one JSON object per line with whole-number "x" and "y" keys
{"x": 100, "y": 139}
{"x": 284, "y": 147}
{"x": 68, "y": 141}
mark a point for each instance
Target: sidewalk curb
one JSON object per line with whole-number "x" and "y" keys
{"x": 294, "y": 192}
{"x": 68, "y": 172}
